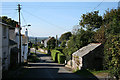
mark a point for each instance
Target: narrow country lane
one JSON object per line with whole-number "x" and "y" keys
{"x": 46, "y": 69}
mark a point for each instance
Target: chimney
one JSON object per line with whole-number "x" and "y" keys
{"x": 17, "y": 25}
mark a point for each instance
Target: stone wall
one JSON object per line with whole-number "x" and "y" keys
{"x": 92, "y": 60}
{"x": 76, "y": 62}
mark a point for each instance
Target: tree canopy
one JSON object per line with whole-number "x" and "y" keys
{"x": 112, "y": 21}
{"x": 91, "y": 20}
{"x": 77, "y": 41}
{"x": 112, "y": 44}
{"x": 51, "y": 43}
{"x": 65, "y": 36}
{"x": 104, "y": 30}
{"x": 9, "y": 21}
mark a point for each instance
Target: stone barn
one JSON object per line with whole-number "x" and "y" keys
{"x": 88, "y": 57}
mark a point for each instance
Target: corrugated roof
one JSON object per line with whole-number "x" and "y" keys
{"x": 85, "y": 50}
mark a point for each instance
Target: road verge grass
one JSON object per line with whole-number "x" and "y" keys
{"x": 92, "y": 73}
{"x": 33, "y": 57}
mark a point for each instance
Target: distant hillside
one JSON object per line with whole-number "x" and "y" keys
{"x": 39, "y": 39}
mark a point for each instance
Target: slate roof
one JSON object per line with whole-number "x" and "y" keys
{"x": 5, "y": 24}
{"x": 86, "y": 49}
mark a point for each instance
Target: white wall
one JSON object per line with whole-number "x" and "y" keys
{"x": 5, "y": 48}
{"x": 12, "y": 34}
{"x": 22, "y": 52}
{"x": 17, "y": 40}
{"x": 26, "y": 47}
{"x": 0, "y": 51}
{"x": 25, "y": 50}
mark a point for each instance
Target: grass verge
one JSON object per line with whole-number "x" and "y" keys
{"x": 33, "y": 57}
{"x": 43, "y": 52}
{"x": 92, "y": 73}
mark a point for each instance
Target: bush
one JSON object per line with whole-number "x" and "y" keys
{"x": 51, "y": 43}
{"x": 63, "y": 44}
{"x": 61, "y": 58}
{"x": 112, "y": 54}
{"x": 33, "y": 58}
{"x": 54, "y": 54}
{"x": 59, "y": 49}
{"x": 57, "y": 56}
{"x": 41, "y": 45}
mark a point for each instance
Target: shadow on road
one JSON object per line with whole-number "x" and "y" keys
{"x": 47, "y": 74}
{"x": 49, "y": 65}
{"x": 85, "y": 73}
{"x": 43, "y": 55}
{"x": 46, "y": 70}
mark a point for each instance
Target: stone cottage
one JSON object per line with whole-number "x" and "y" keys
{"x": 89, "y": 57}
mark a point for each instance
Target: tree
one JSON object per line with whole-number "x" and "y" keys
{"x": 91, "y": 20}
{"x": 41, "y": 45}
{"x": 112, "y": 21}
{"x": 75, "y": 29}
{"x": 51, "y": 43}
{"x": 99, "y": 35}
{"x": 112, "y": 55}
{"x": 9, "y": 21}
{"x": 112, "y": 45}
{"x": 110, "y": 15}
{"x": 65, "y": 36}
{"x": 63, "y": 44}
{"x": 82, "y": 38}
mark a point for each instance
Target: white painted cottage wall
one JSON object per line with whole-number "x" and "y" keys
{"x": 5, "y": 47}
{"x": 17, "y": 39}
{"x": 26, "y": 47}
{"x": 0, "y": 51}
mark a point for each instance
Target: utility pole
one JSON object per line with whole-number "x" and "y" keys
{"x": 19, "y": 8}
{"x": 56, "y": 41}
{"x": 35, "y": 44}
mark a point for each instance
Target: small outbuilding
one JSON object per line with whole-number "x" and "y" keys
{"x": 88, "y": 57}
